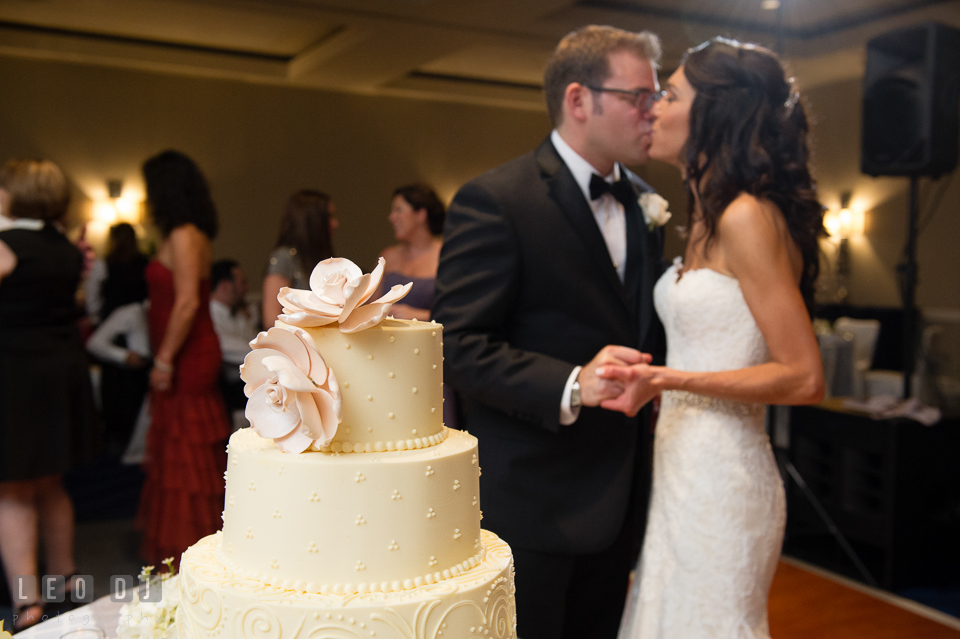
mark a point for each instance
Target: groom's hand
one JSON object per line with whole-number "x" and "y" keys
{"x": 593, "y": 389}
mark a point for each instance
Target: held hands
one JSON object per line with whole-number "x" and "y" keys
{"x": 595, "y": 390}
{"x": 639, "y": 383}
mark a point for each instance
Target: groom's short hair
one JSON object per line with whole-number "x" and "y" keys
{"x": 583, "y": 56}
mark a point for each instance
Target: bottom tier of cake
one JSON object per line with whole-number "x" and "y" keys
{"x": 478, "y": 603}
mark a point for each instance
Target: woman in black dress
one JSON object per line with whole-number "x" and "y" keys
{"x": 46, "y": 403}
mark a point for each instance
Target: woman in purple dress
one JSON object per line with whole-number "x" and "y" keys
{"x": 417, "y": 216}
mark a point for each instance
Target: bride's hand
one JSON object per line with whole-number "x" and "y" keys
{"x": 638, "y": 387}
{"x": 593, "y": 389}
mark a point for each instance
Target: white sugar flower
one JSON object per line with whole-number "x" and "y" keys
{"x": 294, "y": 399}
{"x": 655, "y": 211}
{"x": 338, "y": 293}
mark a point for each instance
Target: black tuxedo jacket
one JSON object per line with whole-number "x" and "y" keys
{"x": 526, "y": 291}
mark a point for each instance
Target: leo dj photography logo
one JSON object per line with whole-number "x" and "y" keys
{"x": 53, "y": 589}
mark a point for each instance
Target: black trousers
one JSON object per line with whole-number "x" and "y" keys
{"x": 573, "y": 596}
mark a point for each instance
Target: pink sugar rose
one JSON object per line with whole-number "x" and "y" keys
{"x": 294, "y": 398}
{"x": 338, "y": 292}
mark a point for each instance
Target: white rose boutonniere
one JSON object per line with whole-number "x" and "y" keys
{"x": 655, "y": 211}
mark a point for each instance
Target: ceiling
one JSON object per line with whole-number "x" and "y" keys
{"x": 474, "y": 51}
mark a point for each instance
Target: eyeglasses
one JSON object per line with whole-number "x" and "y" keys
{"x": 643, "y": 99}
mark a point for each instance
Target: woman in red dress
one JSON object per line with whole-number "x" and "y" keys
{"x": 183, "y": 493}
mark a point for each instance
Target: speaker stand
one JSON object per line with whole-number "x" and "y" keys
{"x": 908, "y": 273}
{"x": 792, "y": 473}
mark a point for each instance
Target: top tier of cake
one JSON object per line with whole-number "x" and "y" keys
{"x": 391, "y": 382}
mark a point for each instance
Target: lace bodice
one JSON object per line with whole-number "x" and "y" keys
{"x": 708, "y": 324}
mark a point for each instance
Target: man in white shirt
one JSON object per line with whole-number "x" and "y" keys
{"x": 235, "y": 323}
{"x": 546, "y": 262}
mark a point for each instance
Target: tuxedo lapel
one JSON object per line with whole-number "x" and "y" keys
{"x": 569, "y": 198}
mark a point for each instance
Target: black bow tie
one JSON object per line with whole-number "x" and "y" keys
{"x": 621, "y": 189}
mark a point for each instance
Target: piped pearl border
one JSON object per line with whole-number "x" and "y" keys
{"x": 350, "y": 588}
{"x": 379, "y": 447}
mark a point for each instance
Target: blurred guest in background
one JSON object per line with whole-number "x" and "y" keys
{"x": 46, "y": 404}
{"x": 122, "y": 345}
{"x": 185, "y": 460}
{"x": 236, "y": 325}
{"x": 118, "y": 279}
{"x": 306, "y": 238}
{"x": 417, "y": 216}
{"x": 117, "y": 282}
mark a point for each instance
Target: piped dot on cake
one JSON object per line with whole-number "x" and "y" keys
{"x": 391, "y": 375}
{"x": 393, "y": 545}
{"x": 346, "y": 346}
{"x": 456, "y": 484}
{"x": 414, "y": 390}
{"x": 416, "y": 351}
{"x": 430, "y": 513}
{"x": 369, "y": 398}
{"x": 392, "y": 339}
{"x": 390, "y": 415}
{"x": 370, "y": 357}
{"x": 457, "y": 534}
{"x": 346, "y": 384}
{"x": 360, "y": 520}
{"x": 359, "y": 477}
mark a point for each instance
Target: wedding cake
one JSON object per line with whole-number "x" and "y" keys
{"x": 351, "y": 510}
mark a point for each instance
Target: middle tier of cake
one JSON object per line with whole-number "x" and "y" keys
{"x": 328, "y": 522}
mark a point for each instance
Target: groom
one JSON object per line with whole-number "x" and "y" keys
{"x": 546, "y": 261}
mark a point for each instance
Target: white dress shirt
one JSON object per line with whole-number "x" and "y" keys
{"x": 131, "y": 322}
{"x": 234, "y": 331}
{"x": 611, "y": 220}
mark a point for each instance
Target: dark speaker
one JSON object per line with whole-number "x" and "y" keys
{"x": 910, "y": 102}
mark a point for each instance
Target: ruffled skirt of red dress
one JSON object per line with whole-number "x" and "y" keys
{"x": 182, "y": 497}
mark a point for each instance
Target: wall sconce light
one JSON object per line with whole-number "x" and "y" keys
{"x": 118, "y": 208}
{"x": 846, "y": 222}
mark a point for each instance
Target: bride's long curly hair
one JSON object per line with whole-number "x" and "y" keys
{"x": 748, "y": 134}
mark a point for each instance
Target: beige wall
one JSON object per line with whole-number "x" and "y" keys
{"x": 257, "y": 144}
{"x": 836, "y": 109}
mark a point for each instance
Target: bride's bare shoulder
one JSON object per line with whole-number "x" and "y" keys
{"x": 752, "y": 230}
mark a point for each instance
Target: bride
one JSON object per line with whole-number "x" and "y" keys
{"x": 736, "y": 313}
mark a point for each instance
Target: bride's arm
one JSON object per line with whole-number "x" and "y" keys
{"x": 755, "y": 249}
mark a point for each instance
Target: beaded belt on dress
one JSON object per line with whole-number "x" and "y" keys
{"x": 686, "y": 399}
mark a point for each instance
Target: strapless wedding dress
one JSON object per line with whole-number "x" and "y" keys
{"x": 717, "y": 511}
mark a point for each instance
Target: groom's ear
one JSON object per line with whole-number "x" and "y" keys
{"x": 577, "y": 102}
